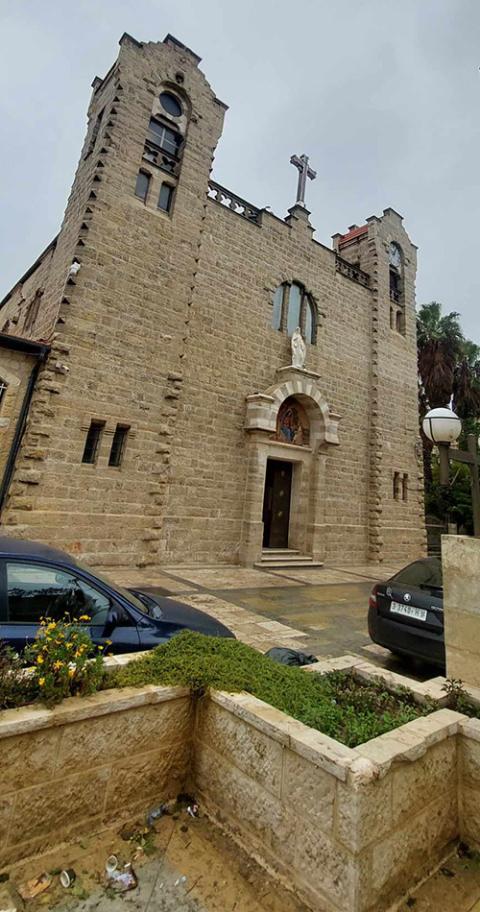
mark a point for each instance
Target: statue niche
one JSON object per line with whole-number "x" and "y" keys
{"x": 292, "y": 423}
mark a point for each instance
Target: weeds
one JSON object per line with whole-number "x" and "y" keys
{"x": 336, "y": 704}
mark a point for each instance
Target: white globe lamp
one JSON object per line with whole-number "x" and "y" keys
{"x": 442, "y": 425}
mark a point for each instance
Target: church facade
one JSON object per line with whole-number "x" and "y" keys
{"x": 151, "y": 410}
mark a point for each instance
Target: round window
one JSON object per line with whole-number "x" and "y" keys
{"x": 170, "y": 104}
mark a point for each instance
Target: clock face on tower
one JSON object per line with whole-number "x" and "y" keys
{"x": 395, "y": 256}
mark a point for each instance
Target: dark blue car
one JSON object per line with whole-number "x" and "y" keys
{"x": 37, "y": 581}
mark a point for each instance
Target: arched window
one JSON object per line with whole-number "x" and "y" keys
{"x": 293, "y": 306}
{"x": 397, "y": 301}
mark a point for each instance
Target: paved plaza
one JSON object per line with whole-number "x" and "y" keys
{"x": 320, "y": 611}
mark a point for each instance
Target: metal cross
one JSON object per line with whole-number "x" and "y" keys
{"x": 304, "y": 171}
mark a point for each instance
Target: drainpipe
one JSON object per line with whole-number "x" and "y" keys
{"x": 20, "y": 428}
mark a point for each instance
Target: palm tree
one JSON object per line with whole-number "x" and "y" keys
{"x": 448, "y": 368}
{"x": 440, "y": 343}
{"x": 466, "y": 382}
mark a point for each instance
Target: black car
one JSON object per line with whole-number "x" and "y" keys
{"x": 406, "y": 612}
{"x": 37, "y": 581}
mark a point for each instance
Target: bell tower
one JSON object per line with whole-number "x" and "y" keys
{"x": 383, "y": 250}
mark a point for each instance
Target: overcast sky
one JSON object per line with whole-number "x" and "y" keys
{"x": 383, "y": 95}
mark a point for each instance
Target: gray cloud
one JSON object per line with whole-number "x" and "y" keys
{"x": 382, "y": 95}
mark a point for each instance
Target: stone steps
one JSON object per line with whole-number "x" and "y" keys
{"x": 285, "y": 558}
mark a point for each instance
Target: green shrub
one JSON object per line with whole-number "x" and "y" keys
{"x": 336, "y": 704}
{"x": 65, "y": 662}
{"x": 459, "y": 700}
{"x": 16, "y": 687}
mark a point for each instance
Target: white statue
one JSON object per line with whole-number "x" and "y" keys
{"x": 299, "y": 349}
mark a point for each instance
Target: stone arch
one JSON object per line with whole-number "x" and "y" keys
{"x": 262, "y": 408}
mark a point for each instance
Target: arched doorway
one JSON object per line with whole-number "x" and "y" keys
{"x": 290, "y": 430}
{"x": 293, "y": 428}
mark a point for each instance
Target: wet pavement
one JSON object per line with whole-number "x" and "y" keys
{"x": 322, "y": 611}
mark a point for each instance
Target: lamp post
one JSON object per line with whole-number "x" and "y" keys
{"x": 443, "y": 427}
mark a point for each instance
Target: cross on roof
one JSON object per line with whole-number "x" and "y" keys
{"x": 304, "y": 171}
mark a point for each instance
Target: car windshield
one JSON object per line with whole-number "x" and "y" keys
{"x": 424, "y": 574}
{"x": 125, "y": 593}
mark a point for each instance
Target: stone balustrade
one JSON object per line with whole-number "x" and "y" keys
{"x": 235, "y": 203}
{"x": 351, "y": 271}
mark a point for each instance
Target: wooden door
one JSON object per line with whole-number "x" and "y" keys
{"x": 276, "y": 504}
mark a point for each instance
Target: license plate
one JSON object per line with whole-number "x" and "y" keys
{"x": 419, "y": 614}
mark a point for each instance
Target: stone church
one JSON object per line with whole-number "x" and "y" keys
{"x": 150, "y": 409}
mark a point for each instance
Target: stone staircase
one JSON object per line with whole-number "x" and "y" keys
{"x": 285, "y": 559}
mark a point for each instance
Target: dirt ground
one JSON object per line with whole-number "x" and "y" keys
{"x": 455, "y": 887}
{"x": 184, "y": 865}
{"x": 188, "y": 865}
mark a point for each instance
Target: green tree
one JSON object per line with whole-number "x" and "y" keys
{"x": 440, "y": 341}
{"x": 454, "y": 503}
{"x": 448, "y": 369}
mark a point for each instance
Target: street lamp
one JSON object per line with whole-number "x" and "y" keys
{"x": 443, "y": 427}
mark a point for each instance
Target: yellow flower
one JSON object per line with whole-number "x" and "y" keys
{"x": 41, "y": 681}
{"x": 40, "y": 660}
{"x": 84, "y": 617}
{"x": 57, "y": 665}
{"x": 71, "y": 672}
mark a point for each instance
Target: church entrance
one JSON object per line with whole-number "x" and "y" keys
{"x": 276, "y": 504}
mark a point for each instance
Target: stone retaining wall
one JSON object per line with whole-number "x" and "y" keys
{"x": 350, "y": 830}
{"x": 87, "y": 763}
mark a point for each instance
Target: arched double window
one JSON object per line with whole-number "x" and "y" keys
{"x": 293, "y": 306}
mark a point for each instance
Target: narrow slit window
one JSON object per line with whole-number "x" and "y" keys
{"x": 118, "y": 445}
{"x": 396, "y": 485}
{"x": 405, "y": 487}
{"x": 3, "y": 390}
{"x": 92, "y": 443}
{"x": 165, "y": 198}
{"x": 142, "y": 186}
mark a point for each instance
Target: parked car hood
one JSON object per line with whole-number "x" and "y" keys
{"x": 173, "y": 612}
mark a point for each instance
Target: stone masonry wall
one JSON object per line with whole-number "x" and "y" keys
{"x": 232, "y": 351}
{"x": 15, "y": 369}
{"x": 165, "y": 328}
{"x": 121, "y": 322}
{"x": 88, "y": 764}
{"x": 16, "y": 315}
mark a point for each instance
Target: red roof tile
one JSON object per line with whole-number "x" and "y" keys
{"x": 355, "y": 232}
